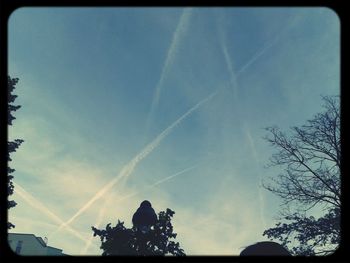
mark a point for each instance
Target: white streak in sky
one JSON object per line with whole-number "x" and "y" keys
{"x": 103, "y": 209}
{"x": 233, "y": 77}
{"x": 31, "y": 221}
{"x": 293, "y": 21}
{"x": 100, "y": 216}
{"x": 129, "y": 167}
{"x": 257, "y": 55}
{"x": 174, "y": 45}
{"x": 97, "y": 224}
{"x": 31, "y": 200}
{"x": 256, "y": 159}
{"x": 233, "y": 81}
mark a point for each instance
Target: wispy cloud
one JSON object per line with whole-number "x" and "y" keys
{"x": 226, "y": 224}
{"x": 178, "y": 35}
{"x": 127, "y": 170}
{"x": 32, "y": 201}
{"x": 102, "y": 211}
{"x": 234, "y": 84}
{"x": 129, "y": 167}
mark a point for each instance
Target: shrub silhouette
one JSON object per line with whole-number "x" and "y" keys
{"x": 120, "y": 240}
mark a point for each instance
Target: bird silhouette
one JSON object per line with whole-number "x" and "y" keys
{"x": 144, "y": 217}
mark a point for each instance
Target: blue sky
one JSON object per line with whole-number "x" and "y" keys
{"x": 98, "y": 86}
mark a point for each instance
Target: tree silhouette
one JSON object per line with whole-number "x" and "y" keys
{"x": 11, "y": 145}
{"x": 311, "y": 158}
{"x": 120, "y": 240}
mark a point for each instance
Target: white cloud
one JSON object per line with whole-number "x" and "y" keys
{"x": 128, "y": 169}
{"x": 222, "y": 230}
{"x": 39, "y": 206}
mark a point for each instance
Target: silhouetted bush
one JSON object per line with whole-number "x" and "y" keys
{"x": 120, "y": 240}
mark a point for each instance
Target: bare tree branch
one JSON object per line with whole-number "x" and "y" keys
{"x": 310, "y": 157}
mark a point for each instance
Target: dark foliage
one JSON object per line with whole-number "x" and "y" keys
{"x": 11, "y": 146}
{"x": 120, "y": 240}
{"x": 311, "y": 158}
{"x": 11, "y": 84}
{"x": 310, "y": 233}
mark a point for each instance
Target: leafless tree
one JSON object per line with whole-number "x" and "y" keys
{"x": 311, "y": 157}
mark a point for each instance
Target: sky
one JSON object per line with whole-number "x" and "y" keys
{"x": 121, "y": 105}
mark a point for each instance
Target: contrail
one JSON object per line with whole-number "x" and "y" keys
{"x": 129, "y": 167}
{"x": 294, "y": 20}
{"x": 176, "y": 39}
{"x": 99, "y": 219}
{"x": 103, "y": 209}
{"x": 233, "y": 81}
{"x": 234, "y": 84}
{"x": 97, "y": 225}
{"x": 31, "y": 221}
{"x": 172, "y": 176}
{"x": 257, "y": 55}
{"x": 255, "y": 155}
{"x": 31, "y": 200}
{"x": 233, "y": 77}
{"x": 158, "y": 182}
{"x": 91, "y": 201}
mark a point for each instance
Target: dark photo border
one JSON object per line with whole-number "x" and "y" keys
{"x": 8, "y": 6}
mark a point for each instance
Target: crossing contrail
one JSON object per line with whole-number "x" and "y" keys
{"x": 176, "y": 39}
{"x": 234, "y": 75}
{"x": 234, "y": 84}
{"x": 233, "y": 79}
{"x": 31, "y": 200}
{"x": 103, "y": 209}
{"x": 293, "y": 21}
{"x": 130, "y": 166}
{"x": 100, "y": 216}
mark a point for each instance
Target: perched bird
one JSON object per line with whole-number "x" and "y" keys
{"x": 144, "y": 217}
